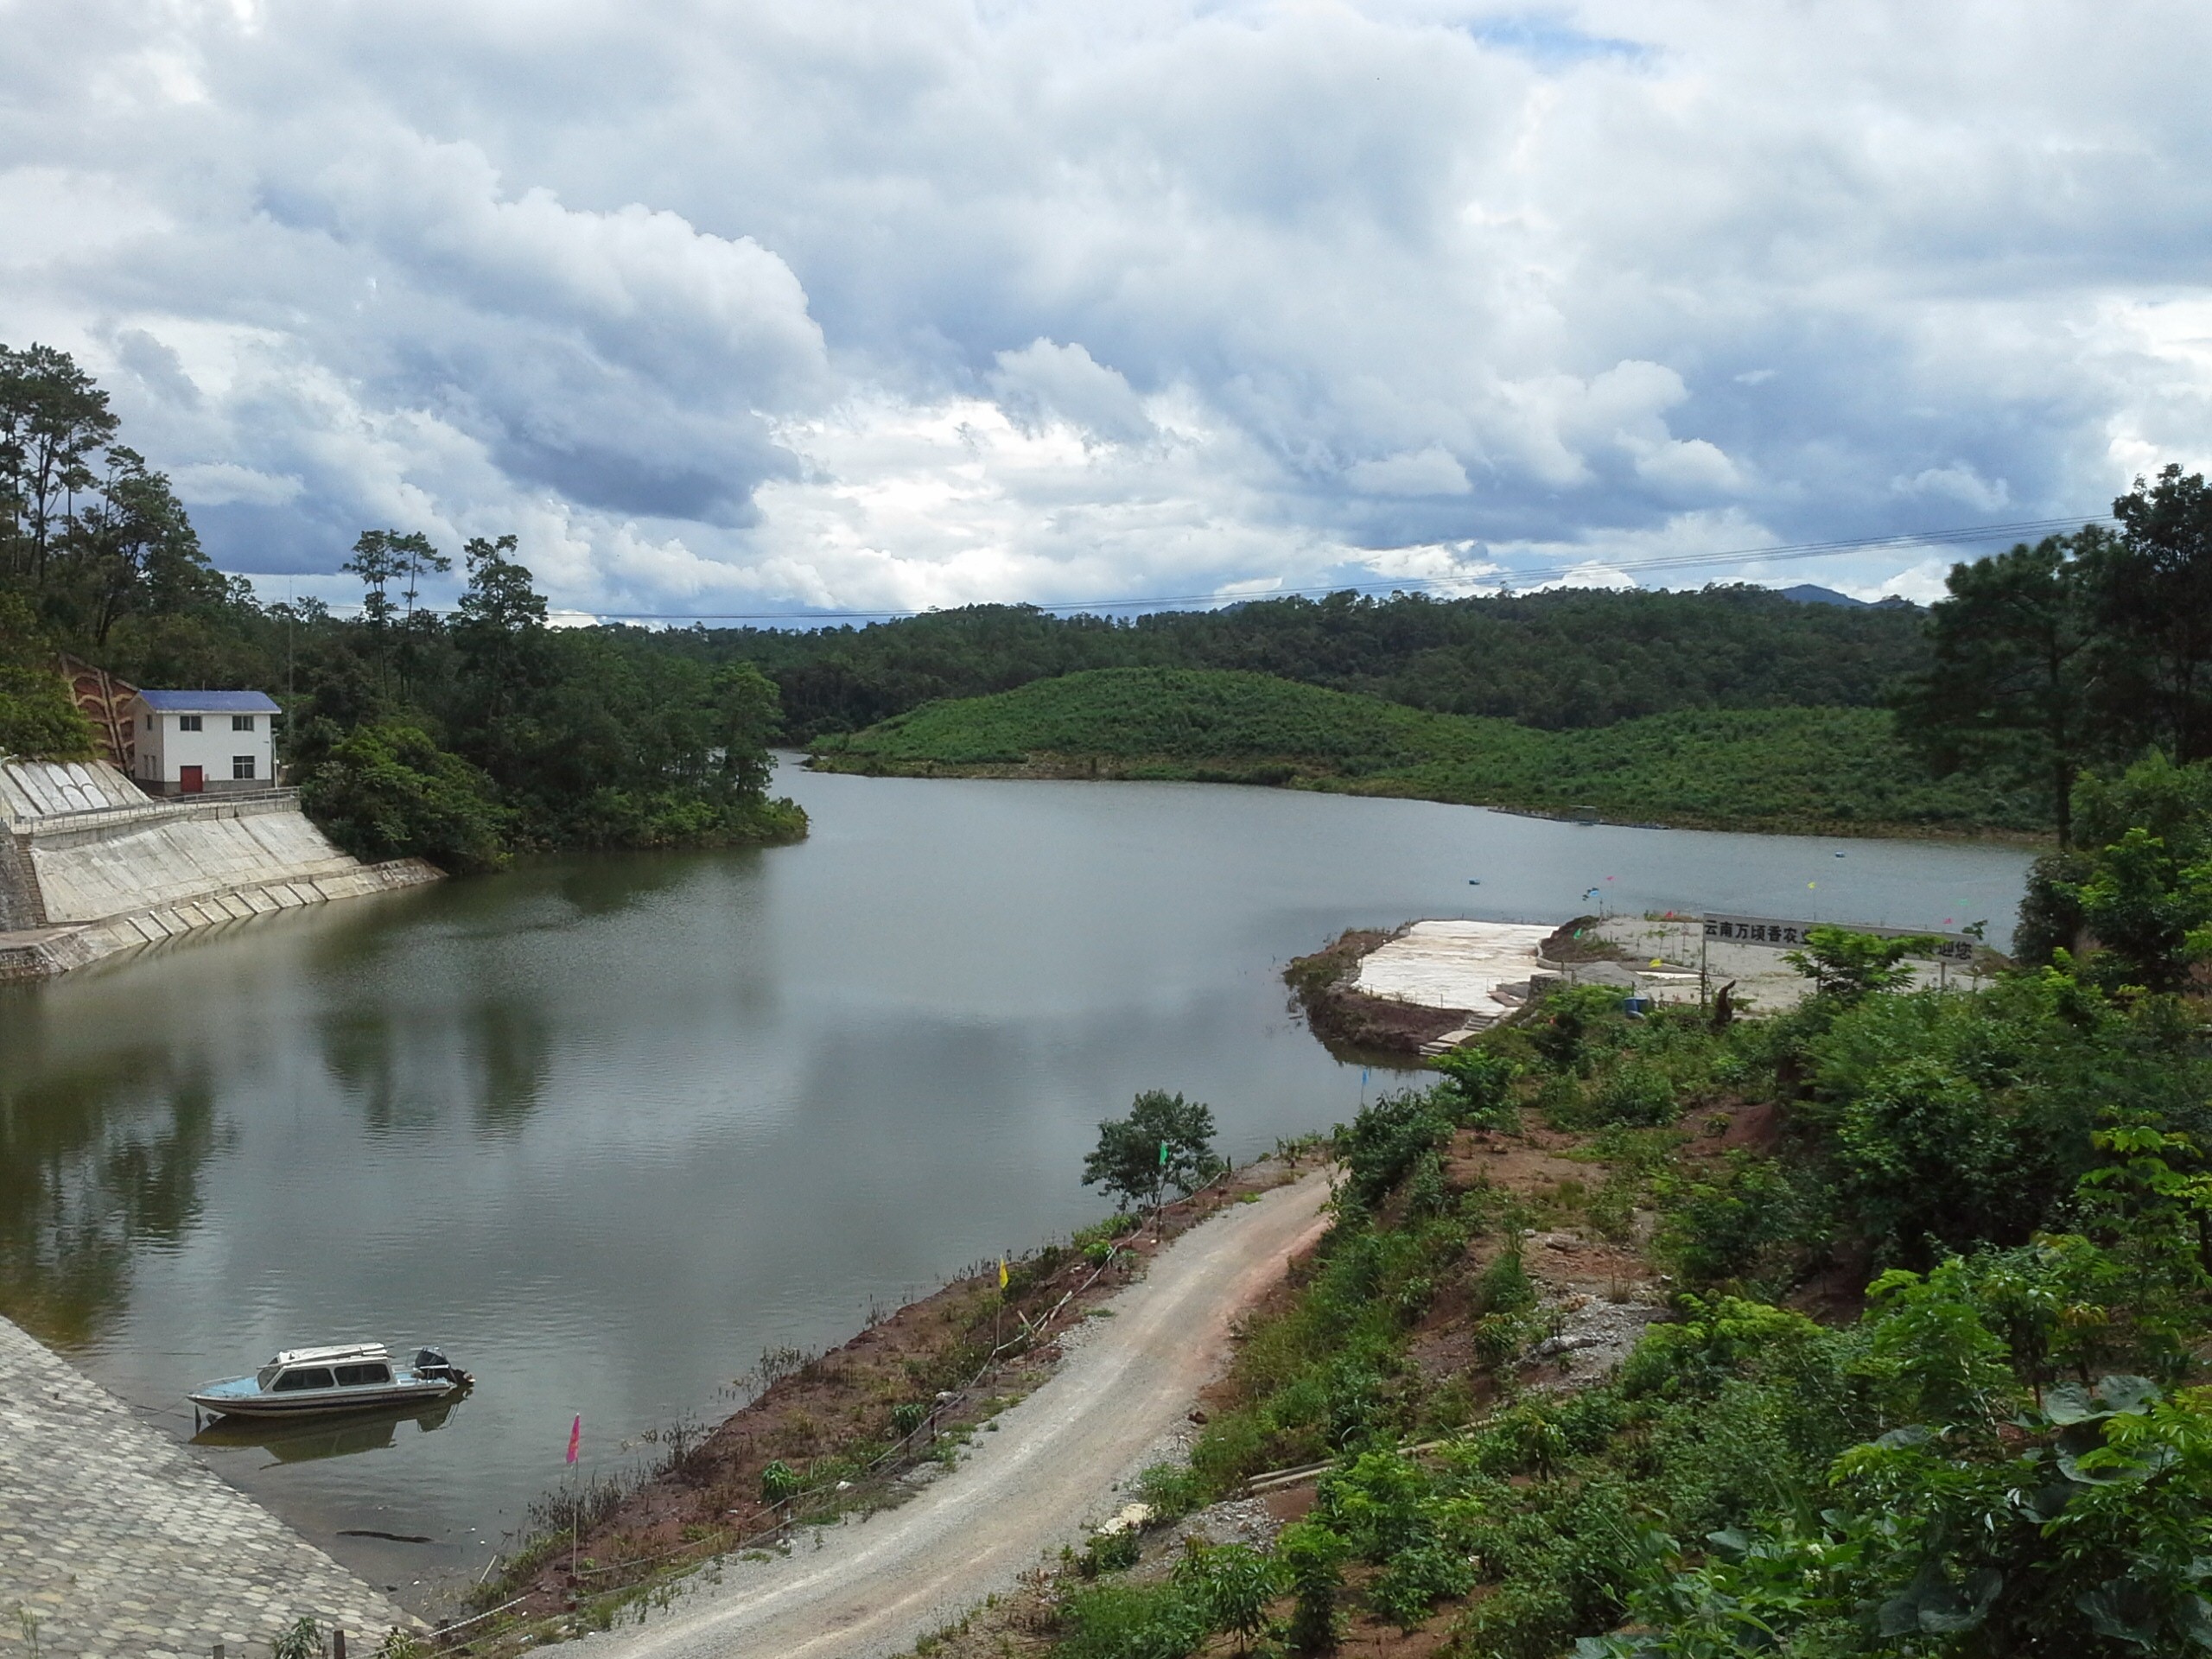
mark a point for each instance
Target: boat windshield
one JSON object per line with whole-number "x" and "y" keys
{"x": 265, "y": 1376}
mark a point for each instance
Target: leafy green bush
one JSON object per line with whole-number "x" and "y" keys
{"x": 1232, "y": 1585}
{"x": 1313, "y": 1561}
{"x": 1634, "y": 1094}
{"x": 1111, "y": 1551}
{"x": 1172, "y": 1489}
{"x": 1386, "y": 1140}
{"x": 1576, "y": 1023}
{"x": 1747, "y": 1221}
{"x": 1130, "y": 1621}
{"x": 1415, "y": 1580}
{"x": 386, "y": 791}
{"x": 1481, "y": 1089}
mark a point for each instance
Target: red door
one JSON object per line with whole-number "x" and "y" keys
{"x": 190, "y": 781}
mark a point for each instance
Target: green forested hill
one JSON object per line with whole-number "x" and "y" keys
{"x": 1558, "y": 660}
{"x": 1790, "y": 768}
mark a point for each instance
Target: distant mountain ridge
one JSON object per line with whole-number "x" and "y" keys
{"x": 1811, "y": 593}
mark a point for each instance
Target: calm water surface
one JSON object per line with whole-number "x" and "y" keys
{"x": 609, "y": 1128}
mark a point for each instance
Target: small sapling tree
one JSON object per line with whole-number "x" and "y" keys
{"x": 1847, "y": 965}
{"x": 1165, "y": 1141}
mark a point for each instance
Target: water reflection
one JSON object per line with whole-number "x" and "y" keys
{"x": 507, "y": 1044}
{"x": 409, "y": 1069}
{"x": 100, "y": 1156}
{"x": 312, "y": 1441}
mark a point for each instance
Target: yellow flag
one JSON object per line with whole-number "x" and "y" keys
{"x": 1001, "y": 1273}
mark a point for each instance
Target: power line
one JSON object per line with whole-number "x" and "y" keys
{"x": 1964, "y": 536}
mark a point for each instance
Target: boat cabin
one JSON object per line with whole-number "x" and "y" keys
{"x": 362, "y": 1365}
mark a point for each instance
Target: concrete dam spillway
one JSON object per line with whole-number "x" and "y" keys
{"x": 90, "y": 866}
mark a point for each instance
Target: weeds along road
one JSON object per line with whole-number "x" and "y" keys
{"x": 875, "y": 1587}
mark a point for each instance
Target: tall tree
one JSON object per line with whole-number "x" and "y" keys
{"x": 500, "y": 615}
{"x": 134, "y": 549}
{"x": 382, "y": 557}
{"x": 53, "y": 423}
{"x": 378, "y": 562}
{"x": 417, "y": 559}
{"x": 2153, "y": 585}
{"x": 2010, "y": 688}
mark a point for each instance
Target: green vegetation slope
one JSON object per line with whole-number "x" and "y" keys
{"x": 1791, "y": 769}
{"x": 1930, "y": 1376}
{"x": 1567, "y": 658}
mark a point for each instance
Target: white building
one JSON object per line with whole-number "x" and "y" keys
{"x": 196, "y": 742}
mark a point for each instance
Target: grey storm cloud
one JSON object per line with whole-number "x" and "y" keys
{"x": 812, "y": 302}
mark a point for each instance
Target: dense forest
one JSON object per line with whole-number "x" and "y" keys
{"x": 459, "y": 738}
{"x": 1780, "y": 769}
{"x": 1572, "y": 657}
{"x": 1929, "y": 1379}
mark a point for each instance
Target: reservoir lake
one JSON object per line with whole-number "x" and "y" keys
{"x": 608, "y": 1128}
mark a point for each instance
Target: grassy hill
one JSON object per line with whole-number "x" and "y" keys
{"x": 1562, "y": 659}
{"x": 1790, "y": 769}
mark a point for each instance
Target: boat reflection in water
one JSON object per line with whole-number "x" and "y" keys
{"x": 311, "y": 1440}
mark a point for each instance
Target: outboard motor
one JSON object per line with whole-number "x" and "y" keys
{"x": 432, "y": 1362}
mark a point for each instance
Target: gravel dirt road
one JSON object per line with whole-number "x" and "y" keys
{"x": 875, "y": 1587}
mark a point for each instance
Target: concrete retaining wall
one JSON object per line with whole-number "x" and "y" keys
{"x": 146, "y": 863}
{"x": 90, "y": 866}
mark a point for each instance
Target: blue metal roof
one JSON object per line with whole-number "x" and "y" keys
{"x": 210, "y": 703}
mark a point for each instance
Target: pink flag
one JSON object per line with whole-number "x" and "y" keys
{"x": 575, "y": 1436}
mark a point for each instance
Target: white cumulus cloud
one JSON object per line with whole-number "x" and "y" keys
{"x": 814, "y": 303}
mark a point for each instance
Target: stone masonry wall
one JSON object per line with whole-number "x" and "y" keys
{"x": 117, "y": 1541}
{"x": 20, "y": 905}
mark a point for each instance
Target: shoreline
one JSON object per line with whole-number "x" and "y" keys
{"x": 1141, "y": 769}
{"x": 833, "y": 1418}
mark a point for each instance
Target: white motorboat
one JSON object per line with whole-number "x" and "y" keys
{"x": 347, "y": 1376}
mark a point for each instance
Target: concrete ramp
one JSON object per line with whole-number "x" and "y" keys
{"x": 148, "y": 863}
{"x": 90, "y": 865}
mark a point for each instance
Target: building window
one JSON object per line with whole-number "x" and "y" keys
{"x": 241, "y": 722}
{"x": 241, "y": 766}
{"x": 187, "y": 723}
{"x": 150, "y": 723}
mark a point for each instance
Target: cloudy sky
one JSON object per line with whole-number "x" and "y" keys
{"x": 782, "y": 305}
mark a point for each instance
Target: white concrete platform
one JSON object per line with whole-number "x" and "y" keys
{"x": 1453, "y": 964}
